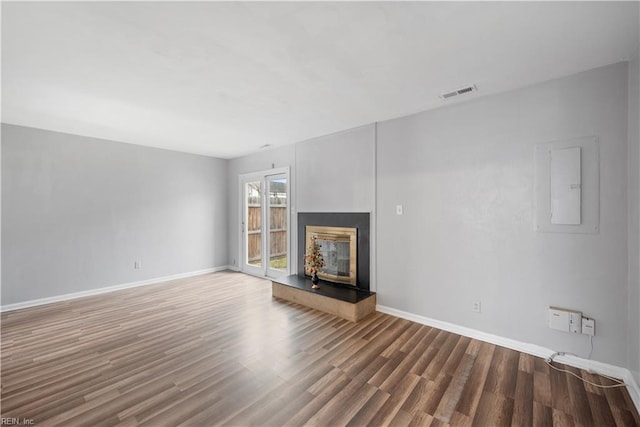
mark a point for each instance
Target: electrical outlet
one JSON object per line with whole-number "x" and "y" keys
{"x": 476, "y": 306}
{"x": 137, "y": 265}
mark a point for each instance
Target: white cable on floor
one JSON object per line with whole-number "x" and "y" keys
{"x": 618, "y": 382}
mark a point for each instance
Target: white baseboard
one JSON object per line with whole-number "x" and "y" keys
{"x": 535, "y": 350}
{"x": 98, "y": 291}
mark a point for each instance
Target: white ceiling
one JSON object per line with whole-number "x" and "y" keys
{"x": 223, "y": 79}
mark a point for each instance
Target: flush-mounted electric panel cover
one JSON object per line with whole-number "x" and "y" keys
{"x": 567, "y": 186}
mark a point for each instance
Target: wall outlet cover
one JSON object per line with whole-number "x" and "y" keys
{"x": 476, "y": 306}
{"x": 588, "y": 326}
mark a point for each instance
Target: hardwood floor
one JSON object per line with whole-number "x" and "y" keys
{"x": 217, "y": 349}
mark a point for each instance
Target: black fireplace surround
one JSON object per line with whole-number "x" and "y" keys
{"x": 348, "y": 219}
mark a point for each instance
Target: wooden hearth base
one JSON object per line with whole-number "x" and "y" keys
{"x": 347, "y": 303}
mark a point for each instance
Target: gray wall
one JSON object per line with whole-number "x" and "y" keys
{"x": 335, "y": 173}
{"x": 0, "y": 215}
{"x": 465, "y": 176}
{"x": 77, "y": 212}
{"x": 633, "y": 160}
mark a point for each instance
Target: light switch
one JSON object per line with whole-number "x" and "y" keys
{"x": 399, "y": 210}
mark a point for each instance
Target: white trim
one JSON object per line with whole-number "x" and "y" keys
{"x": 535, "y": 350}
{"x": 240, "y": 258}
{"x": 244, "y": 179}
{"x": 98, "y": 291}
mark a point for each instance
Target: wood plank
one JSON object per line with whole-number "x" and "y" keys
{"x": 451, "y": 397}
{"x": 367, "y": 413}
{"x": 493, "y": 410}
{"x": 473, "y": 388}
{"x": 523, "y": 399}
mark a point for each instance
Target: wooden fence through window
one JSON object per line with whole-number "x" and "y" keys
{"x": 277, "y": 229}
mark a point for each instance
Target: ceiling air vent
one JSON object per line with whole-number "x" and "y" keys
{"x": 460, "y": 91}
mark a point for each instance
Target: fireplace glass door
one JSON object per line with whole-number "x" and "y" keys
{"x": 338, "y": 246}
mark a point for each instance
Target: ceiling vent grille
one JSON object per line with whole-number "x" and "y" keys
{"x": 461, "y": 91}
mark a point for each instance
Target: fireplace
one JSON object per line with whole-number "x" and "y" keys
{"x": 345, "y": 246}
{"x": 338, "y": 246}
{"x": 344, "y": 286}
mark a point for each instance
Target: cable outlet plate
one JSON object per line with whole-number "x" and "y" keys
{"x": 588, "y": 326}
